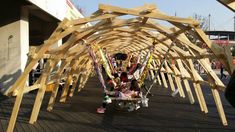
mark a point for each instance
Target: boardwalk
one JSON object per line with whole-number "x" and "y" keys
{"x": 78, "y": 114}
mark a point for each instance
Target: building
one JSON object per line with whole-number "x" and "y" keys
{"x": 26, "y": 23}
{"x": 223, "y": 38}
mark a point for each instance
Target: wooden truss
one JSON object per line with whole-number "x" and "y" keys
{"x": 182, "y": 42}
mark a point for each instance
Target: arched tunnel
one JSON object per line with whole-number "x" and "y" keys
{"x": 174, "y": 51}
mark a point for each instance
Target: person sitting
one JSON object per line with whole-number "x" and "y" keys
{"x": 115, "y": 85}
{"x": 132, "y": 92}
{"x": 124, "y": 77}
{"x": 136, "y": 73}
{"x": 132, "y": 68}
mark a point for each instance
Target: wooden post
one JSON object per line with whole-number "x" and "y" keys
{"x": 186, "y": 84}
{"x": 169, "y": 72}
{"x": 198, "y": 97}
{"x": 158, "y": 79}
{"x": 197, "y": 87}
{"x": 83, "y": 81}
{"x": 163, "y": 80}
{"x": 218, "y": 102}
{"x": 179, "y": 86}
{"x": 171, "y": 82}
{"x": 79, "y": 71}
{"x": 41, "y": 91}
{"x": 219, "y": 106}
{"x": 156, "y": 73}
{"x": 73, "y": 86}
{"x": 56, "y": 87}
{"x": 189, "y": 92}
{"x": 73, "y": 66}
{"x": 16, "y": 108}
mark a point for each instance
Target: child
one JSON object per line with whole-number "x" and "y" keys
{"x": 115, "y": 84}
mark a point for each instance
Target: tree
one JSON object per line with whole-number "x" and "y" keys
{"x": 76, "y": 4}
{"x": 204, "y": 21}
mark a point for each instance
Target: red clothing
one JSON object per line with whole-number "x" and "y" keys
{"x": 132, "y": 69}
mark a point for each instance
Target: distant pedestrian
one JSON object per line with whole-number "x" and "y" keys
{"x": 222, "y": 72}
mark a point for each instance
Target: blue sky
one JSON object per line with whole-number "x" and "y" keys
{"x": 221, "y": 17}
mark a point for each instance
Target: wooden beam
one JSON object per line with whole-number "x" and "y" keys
{"x": 155, "y": 15}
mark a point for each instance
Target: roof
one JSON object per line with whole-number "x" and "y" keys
{"x": 220, "y": 32}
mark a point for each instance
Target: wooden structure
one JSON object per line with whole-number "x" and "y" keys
{"x": 180, "y": 42}
{"x": 228, "y": 3}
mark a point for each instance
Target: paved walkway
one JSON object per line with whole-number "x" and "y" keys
{"x": 78, "y": 114}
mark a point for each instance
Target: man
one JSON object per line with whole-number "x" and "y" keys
{"x": 222, "y": 72}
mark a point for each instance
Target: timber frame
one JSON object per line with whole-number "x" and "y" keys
{"x": 182, "y": 42}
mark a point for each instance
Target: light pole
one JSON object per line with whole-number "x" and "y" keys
{"x": 234, "y": 24}
{"x": 209, "y": 23}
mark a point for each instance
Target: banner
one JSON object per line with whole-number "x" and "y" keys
{"x": 96, "y": 67}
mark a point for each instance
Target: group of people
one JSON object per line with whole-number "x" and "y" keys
{"x": 124, "y": 85}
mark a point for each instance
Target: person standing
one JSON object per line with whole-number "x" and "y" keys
{"x": 222, "y": 72}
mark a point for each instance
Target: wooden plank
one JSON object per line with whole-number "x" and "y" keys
{"x": 16, "y": 108}
{"x": 219, "y": 106}
{"x": 163, "y": 80}
{"x": 38, "y": 101}
{"x": 198, "y": 96}
{"x": 188, "y": 90}
{"x": 105, "y": 15}
{"x": 186, "y": 84}
{"x": 31, "y": 88}
{"x": 171, "y": 82}
{"x": 155, "y": 15}
{"x": 156, "y": 73}
{"x": 86, "y": 67}
{"x": 64, "y": 94}
{"x": 179, "y": 86}
{"x": 51, "y": 102}
{"x": 197, "y": 88}
{"x": 218, "y": 102}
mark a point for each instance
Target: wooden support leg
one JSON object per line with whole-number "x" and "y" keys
{"x": 163, "y": 80}
{"x": 73, "y": 87}
{"x": 218, "y": 102}
{"x": 66, "y": 89}
{"x": 189, "y": 92}
{"x": 84, "y": 82}
{"x": 201, "y": 97}
{"x": 198, "y": 97}
{"x": 171, "y": 82}
{"x": 56, "y": 87}
{"x": 219, "y": 106}
{"x": 53, "y": 96}
{"x": 15, "y": 110}
{"x": 40, "y": 94}
{"x": 179, "y": 86}
{"x": 73, "y": 65}
{"x": 159, "y": 80}
{"x": 82, "y": 78}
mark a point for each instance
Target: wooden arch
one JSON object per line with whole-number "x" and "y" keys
{"x": 182, "y": 41}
